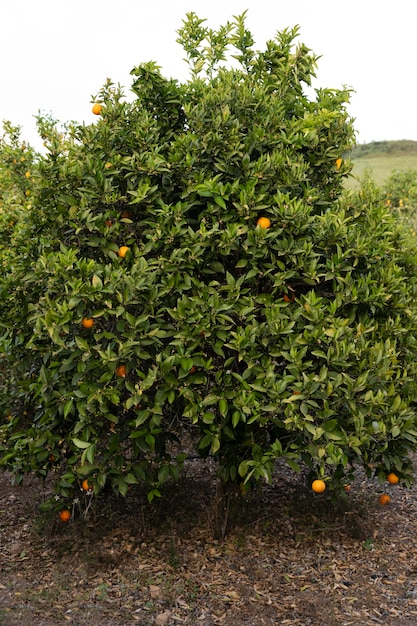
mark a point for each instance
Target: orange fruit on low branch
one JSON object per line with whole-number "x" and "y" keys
{"x": 339, "y": 163}
{"x": 85, "y": 485}
{"x": 263, "y": 222}
{"x": 384, "y": 499}
{"x": 87, "y": 322}
{"x": 392, "y": 478}
{"x": 65, "y": 515}
{"x": 318, "y": 486}
{"x": 121, "y": 371}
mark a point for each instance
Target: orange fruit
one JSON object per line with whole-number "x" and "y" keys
{"x": 193, "y": 369}
{"x": 346, "y": 488}
{"x": 263, "y": 222}
{"x": 123, "y": 250}
{"x": 121, "y": 371}
{"x": 108, "y": 223}
{"x": 384, "y": 499}
{"x": 87, "y": 322}
{"x": 339, "y": 163}
{"x": 27, "y": 174}
{"x": 288, "y": 297}
{"x": 97, "y": 108}
{"x": 85, "y": 485}
{"x": 108, "y": 165}
{"x": 65, "y": 515}
{"x": 318, "y": 486}
{"x": 392, "y": 478}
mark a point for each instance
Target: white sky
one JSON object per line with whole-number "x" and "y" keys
{"x": 54, "y": 55}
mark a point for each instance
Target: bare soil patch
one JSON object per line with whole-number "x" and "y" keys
{"x": 289, "y": 557}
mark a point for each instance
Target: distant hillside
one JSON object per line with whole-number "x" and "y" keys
{"x": 380, "y": 158}
{"x": 383, "y": 148}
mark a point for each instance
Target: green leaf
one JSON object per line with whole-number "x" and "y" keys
{"x": 81, "y": 444}
{"x": 97, "y": 282}
{"x": 223, "y": 407}
{"x": 68, "y": 407}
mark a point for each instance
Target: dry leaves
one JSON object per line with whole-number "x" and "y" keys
{"x": 288, "y": 558}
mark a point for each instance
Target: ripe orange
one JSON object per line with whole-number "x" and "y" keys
{"x": 108, "y": 165}
{"x": 339, "y": 163}
{"x": 97, "y": 108}
{"x": 85, "y": 485}
{"x": 27, "y": 174}
{"x": 263, "y": 222}
{"x": 87, "y": 322}
{"x": 318, "y": 486}
{"x": 121, "y": 371}
{"x": 384, "y": 499}
{"x": 346, "y": 488}
{"x": 288, "y": 297}
{"x": 123, "y": 250}
{"x": 65, "y": 515}
{"x": 392, "y": 478}
{"x": 193, "y": 369}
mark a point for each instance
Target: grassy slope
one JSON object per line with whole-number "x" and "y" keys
{"x": 380, "y": 158}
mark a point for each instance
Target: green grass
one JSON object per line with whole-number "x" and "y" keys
{"x": 379, "y": 159}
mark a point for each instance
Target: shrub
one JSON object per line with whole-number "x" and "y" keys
{"x": 293, "y": 341}
{"x": 400, "y": 191}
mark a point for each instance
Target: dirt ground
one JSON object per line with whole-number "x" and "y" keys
{"x": 288, "y": 557}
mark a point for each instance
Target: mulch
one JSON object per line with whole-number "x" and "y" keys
{"x": 289, "y": 557}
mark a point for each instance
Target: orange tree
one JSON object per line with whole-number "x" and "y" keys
{"x": 288, "y": 337}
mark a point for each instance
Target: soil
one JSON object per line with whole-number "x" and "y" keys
{"x": 286, "y": 556}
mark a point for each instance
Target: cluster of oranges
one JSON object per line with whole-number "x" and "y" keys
{"x": 65, "y": 514}
{"x": 319, "y": 486}
{"x": 393, "y": 479}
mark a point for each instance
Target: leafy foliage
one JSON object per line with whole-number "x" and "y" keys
{"x": 401, "y": 195}
{"x": 292, "y": 341}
